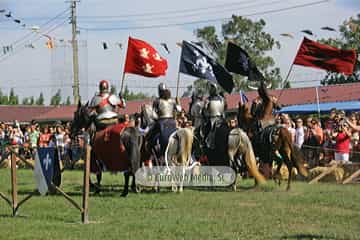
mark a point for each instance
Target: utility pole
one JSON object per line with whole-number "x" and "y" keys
{"x": 76, "y": 91}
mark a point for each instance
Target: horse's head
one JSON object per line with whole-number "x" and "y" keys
{"x": 244, "y": 113}
{"x": 81, "y": 119}
{"x": 147, "y": 115}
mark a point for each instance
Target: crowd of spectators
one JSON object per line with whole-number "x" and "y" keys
{"x": 335, "y": 137}
{"x": 24, "y": 139}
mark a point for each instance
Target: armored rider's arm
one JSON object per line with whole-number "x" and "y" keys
{"x": 177, "y": 105}
{"x": 122, "y": 103}
{"x": 263, "y": 93}
{"x": 93, "y": 105}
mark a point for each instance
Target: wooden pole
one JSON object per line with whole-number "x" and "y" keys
{"x": 323, "y": 174}
{"x": 354, "y": 175}
{"x": 86, "y": 187}
{"x": 122, "y": 83}
{"x": 13, "y": 183}
{"x": 177, "y": 85}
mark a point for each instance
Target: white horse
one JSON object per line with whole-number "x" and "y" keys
{"x": 178, "y": 150}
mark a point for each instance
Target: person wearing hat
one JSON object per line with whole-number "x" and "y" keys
{"x": 104, "y": 106}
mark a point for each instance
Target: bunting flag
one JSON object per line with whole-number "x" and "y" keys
{"x": 287, "y": 35}
{"x": 307, "y": 31}
{"x": 322, "y": 56}
{"x": 44, "y": 168}
{"x": 238, "y": 61}
{"x": 328, "y": 29}
{"x": 195, "y": 62}
{"x": 143, "y": 59}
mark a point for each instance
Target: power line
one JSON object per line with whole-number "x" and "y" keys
{"x": 207, "y": 20}
{"x": 194, "y": 14}
{"x": 33, "y": 41}
{"x": 33, "y": 34}
{"x": 172, "y": 11}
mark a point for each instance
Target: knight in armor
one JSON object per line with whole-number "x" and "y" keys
{"x": 195, "y": 108}
{"x": 214, "y": 114}
{"x": 104, "y": 106}
{"x": 165, "y": 108}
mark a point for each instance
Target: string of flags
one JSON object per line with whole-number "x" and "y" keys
{"x": 36, "y": 29}
{"x": 351, "y": 24}
{"x": 8, "y": 14}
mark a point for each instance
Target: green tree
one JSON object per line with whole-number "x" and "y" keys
{"x": 68, "y": 101}
{"x": 25, "y": 101}
{"x": 128, "y": 95}
{"x": 40, "y": 100}
{"x": 349, "y": 39}
{"x": 250, "y": 36}
{"x": 112, "y": 89}
{"x": 13, "y": 99}
{"x": 56, "y": 99}
{"x": 4, "y": 99}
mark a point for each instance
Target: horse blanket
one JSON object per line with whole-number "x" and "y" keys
{"x": 109, "y": 151}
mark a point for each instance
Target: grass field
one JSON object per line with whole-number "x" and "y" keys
{"x": 322, "y": 211}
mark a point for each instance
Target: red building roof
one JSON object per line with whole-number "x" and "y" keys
{"x": 292, "y": 96}
{"x": 23, "y": 114}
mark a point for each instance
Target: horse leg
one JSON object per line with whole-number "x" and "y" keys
{"x": 289, "y": 166}
{"x": 126, "y": 185}
{"x": 277, "y": 175}
{"x": 232, "y": 165}
{"x": 134, "y": 187}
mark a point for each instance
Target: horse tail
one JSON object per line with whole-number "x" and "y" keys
{"x": 249, "y": 157}
{"x": 298, "y": 159}
{"x": 130, "y": 138}
{"x": 180, "y": 144}
{"x": 186, "y": 140}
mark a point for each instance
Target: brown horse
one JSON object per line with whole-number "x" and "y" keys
{"x": 271, "y": 142}
{"x": 116, "y": 148}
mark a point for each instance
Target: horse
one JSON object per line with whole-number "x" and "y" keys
{"x": 178, "y": 151}
{"x": 177, "y": 146}
{"x": 273, "y": 142}
{"x": 230, "y": 144}
{"x": 116, "y": 147}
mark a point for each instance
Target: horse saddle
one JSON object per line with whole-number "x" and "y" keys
{"x": 165, "y": 128}
{"x": 267, "y": 135}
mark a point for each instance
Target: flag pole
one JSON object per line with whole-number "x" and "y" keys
{"x": 122, "y": 83}
{"x": 318, "y": 103}
{"x": 177, "y": 85}
{"x": 287, "y": 76}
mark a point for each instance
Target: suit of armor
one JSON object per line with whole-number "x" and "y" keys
{"x": 214, "y": 113}
{"x": 104, "y": 109}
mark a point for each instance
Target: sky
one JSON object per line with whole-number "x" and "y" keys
{"x": 33, "y": 70}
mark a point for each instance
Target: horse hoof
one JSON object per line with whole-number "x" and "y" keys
{"x": 234, "y": 187}
{"x": 136, "y": 189}
{"x": 124, "y": 194}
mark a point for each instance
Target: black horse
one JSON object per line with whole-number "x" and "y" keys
{"x": 116, "y": 147}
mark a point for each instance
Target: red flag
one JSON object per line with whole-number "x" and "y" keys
{"x": 317, "y": 55}
{"x": 143, "y": 59}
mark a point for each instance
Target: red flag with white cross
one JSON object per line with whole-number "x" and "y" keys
{"x": 143, "y": 59}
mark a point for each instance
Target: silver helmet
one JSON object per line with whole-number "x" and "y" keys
{"x": 213, "y": 88}
{"x": 161, "y": 88}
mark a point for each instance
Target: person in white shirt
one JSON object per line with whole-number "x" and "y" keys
{"x": 299, "y": 133}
